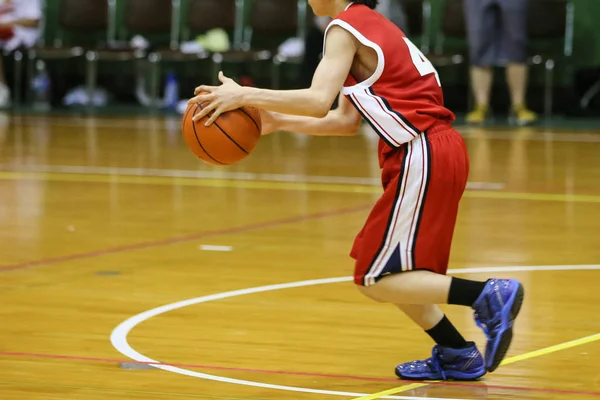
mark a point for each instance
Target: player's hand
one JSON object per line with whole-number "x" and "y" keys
{"x": 220, "y": 99}
{"x": 268, "y": 122}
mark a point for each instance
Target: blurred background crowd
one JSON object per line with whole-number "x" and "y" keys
{"x": 517, "y": 60}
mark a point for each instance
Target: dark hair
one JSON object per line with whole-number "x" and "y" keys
{"x": 369, "y": 3}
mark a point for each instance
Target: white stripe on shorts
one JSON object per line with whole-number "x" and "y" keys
{"x": 402, "y": 228}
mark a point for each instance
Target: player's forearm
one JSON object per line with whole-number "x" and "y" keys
{"x": 334, "y": 124}
{"x": 303, "y": 102}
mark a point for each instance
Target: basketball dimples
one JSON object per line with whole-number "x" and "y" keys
{"x": 242, "y": 126}
{"x": 228, "y": 140}
{"x": 189, "y": 136}
{"x": 220, "y": 149}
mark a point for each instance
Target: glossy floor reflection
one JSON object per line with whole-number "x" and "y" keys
{"x": 102, "y": 219}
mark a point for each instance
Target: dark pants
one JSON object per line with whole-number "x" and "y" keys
{"x": 497, "y": 31}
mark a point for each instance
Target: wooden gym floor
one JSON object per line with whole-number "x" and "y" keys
{"x": 107, "y": 225}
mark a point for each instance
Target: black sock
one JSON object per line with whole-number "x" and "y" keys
{"x": 464, "y": 292}
{"x": 445, "y": 334}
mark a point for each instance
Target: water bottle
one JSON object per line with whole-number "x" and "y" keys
{"x": 40, "y": 87}
{"x": 171, "y": 91}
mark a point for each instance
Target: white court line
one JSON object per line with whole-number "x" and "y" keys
{"x": 242, "y": 176}
{"x": 118, "y": 336}
{"x": 172, "y": 124}
{"x": 549, "y": 136}
{"x": 210, "y": 247}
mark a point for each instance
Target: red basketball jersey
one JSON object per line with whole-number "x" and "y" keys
{"x": 404, "y": 96}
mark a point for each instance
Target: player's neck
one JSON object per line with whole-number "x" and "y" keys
{"x": 339, "y": 6}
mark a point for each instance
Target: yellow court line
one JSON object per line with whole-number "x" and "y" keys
{"x": 552, "y": 349}
{"x": 510, "y": 360}
{"x": 271, "y": 185}
{"x": 197, "y": 182}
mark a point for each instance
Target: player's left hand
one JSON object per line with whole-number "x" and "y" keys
{"x": 220, "y": 99}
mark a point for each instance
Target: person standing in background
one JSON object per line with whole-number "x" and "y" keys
{"x": 497, "y": 35}
{"x": 394, "y": 11}
{"x": 19, "y": 27}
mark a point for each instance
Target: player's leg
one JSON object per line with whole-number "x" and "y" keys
{"x": 496, "y": 302}
{"x": 514, "y": 52}
{"x": 383, "y": 250}
{"x": 451, "y": 348}
{"x": 402, "y": 253}
{"x": 481, "y": 18}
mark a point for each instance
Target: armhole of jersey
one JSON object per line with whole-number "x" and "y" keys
{"x": 365, "y": 42}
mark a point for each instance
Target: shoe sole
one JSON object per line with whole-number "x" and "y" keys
{"x": 505, "y": 336}
{"x": 457, "y": 377}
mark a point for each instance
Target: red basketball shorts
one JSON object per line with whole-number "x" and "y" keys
{"x": 411, "y": 225}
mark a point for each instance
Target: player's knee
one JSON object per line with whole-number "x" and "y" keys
{"x": 370, "y": 292}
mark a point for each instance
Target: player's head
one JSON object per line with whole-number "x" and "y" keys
{"x": 329, "y": 8}
{"x": 369, "y": 3}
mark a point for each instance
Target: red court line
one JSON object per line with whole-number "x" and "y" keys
{"x": 181, "y": 239}
{"x": 296, "y": 373}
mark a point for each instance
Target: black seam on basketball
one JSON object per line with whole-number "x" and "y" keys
{"x": 251, "y": 119}
{"x": 199, "y": 107}
{"x": 185, "y": 117}
{"x": 230, "y": 138}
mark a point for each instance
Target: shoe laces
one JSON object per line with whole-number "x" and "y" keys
{"x": 491, "y": 323}
{"x": 434, "y": 362}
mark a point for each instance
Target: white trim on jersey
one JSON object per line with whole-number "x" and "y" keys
{"x": 346, "y": 90}
{"x": 402, "y": 228}
{"x": 389, "y": 125}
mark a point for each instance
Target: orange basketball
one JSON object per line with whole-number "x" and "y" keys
{"x": 229, "y": 139}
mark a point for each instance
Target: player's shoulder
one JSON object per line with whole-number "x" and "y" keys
{"x": 340, "y": 35}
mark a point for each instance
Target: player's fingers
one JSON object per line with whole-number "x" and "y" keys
{"x": 214, "y": 116}
{"x": 204, "y": 112}
{"x": 201, "y": 98}
{"x": 194, "y": 100}
{"x": 204, "y": 88}
{"x": 223, "y": 78}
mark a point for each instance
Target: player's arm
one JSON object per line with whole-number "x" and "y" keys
{"x": 315, "y": 101}
{"x": 343, "y": 121}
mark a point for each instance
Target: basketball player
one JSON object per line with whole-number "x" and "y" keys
{"x": 403, "y": 249}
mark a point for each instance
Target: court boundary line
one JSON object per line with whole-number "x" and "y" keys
{"x": 495, "y": 132}
{"x": 507, "y": 361}
{"x": 119, "y": 335}
{"x": 210, "y": 174}
{"x": 293, "y": 373}
{"x": 290, "y": 186}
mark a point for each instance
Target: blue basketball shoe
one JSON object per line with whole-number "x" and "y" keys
{"x": 495, "y": 310}
{"x": 445, "y": 363}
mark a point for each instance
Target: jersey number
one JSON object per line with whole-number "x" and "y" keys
{"x": 421, "y": 62}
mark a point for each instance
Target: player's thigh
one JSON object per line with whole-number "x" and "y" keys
{"x": 449, "y": 171}
{"x": 373, "y": 240}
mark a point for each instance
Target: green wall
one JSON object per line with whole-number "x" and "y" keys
{"x": 587, "y": 28}
{"x": 586, "y": 53}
